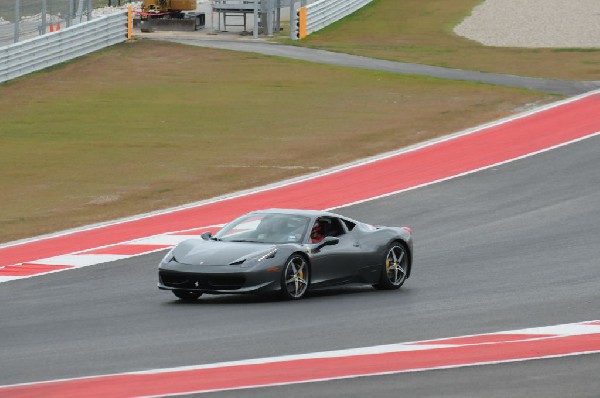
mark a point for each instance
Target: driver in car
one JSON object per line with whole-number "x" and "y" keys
{"x": 316, "y": 233}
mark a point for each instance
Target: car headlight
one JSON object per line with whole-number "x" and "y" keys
{"x": 169, "y": 256}
{"x": 269, "y": 254}
{"x": 247, "y": 262}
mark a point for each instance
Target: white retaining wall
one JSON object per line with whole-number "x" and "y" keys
{"x": 54, "y": 48}
{"x": 325, "y": 12}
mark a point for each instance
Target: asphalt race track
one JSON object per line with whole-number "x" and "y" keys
{"x": 510, "y": 247}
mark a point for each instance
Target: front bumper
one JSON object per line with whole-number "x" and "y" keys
{"x": 218, "y": 282}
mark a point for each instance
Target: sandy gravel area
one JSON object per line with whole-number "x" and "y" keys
{"x": 534, "y": 23}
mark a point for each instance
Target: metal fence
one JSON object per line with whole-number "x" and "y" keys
{"x": 325, "y": 12}
{"x": 40, "y": 52}
{"x": 24, "y": 19}
{"x": 266, "y": 15}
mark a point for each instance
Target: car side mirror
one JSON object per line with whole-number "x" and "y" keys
{"x": 206, "y": 235}
{"x": 328, "y": 241}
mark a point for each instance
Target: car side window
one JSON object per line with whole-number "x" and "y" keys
{"x": 349, "y": 224}
{"x": 332, "y": 226}
{"x": 326, "y": 226}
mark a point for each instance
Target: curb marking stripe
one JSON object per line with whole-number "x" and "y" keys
{"x": 325, "y": 366}
{"x": 496, "y": 143}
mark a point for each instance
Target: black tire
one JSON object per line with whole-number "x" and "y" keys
{"x": 295, "y": 277}
{"x": 186, "y": 295}
{"x": 394, "y": 268}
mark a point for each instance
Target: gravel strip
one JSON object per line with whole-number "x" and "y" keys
{"x": 534, "y": 23}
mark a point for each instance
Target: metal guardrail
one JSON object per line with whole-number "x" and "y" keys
{"x": 51, "y": 49}
{"x": 325, "y": 12}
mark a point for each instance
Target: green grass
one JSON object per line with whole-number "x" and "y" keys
{"x": 148, "y": 125}
{"x": 420, "y": 31}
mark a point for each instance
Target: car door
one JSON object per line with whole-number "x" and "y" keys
{"x": 335, "y": 263}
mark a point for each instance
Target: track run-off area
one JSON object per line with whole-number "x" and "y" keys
{"x": 467, "y": 152}
{"x": 504, "y": 240}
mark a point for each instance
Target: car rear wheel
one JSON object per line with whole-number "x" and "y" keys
{"x": 395, "y": 267}
{"x": 295, "y": 278}
{"x": 186, "y": 295}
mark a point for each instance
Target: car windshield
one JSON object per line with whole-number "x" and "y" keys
{"x": 265, "y": 228}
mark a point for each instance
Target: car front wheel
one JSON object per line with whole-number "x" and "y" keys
{"x": 186, "y": 295}
{"x": 295, "y": 278}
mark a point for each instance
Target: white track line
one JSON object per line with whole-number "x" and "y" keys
{"x": 468, "y": 172}
{"x": 549, "y": 332}
{"x": 310, "y": 176}
{"x": 80, "y": 259}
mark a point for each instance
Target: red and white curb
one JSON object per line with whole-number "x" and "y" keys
{"x": 509, "y": 346}
{"x": 100, "y": 255}
{"x": 524, "y": 135}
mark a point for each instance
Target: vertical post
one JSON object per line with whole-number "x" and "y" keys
{"x": 278, "y": 16}
{"x": 269, "y": 18}
{"x": 212, "y": 17}
{"x": 17, "y": 19}
{"x": 43, "y": 17}
{"x": 129, "y": 22}
{"x": 89, "y": 9}
{"x": 293, "y": 20}
{"x": 302, "y": 23}
{"x": 255, "y": 28}
{"x": 79, "y": 15}
{"x": 70, "y": 13}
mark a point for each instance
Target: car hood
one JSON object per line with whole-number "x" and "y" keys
{"x": 209, "y": 252}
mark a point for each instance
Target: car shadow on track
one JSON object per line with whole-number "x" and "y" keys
{"x": 274, "y": 297}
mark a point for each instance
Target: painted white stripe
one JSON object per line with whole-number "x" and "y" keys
{"x": 313, "y": 175}
{"x": 171, "y": 240}
{"x": 80, "y": 260}
{"x": 387, "y": 348}
{"x": 11, "y": 278}
{"x": 575, "y": 328}
{"x": 466, "y": 173}
{"x": 366, "y": 374}
{"x": 566, "y": 330}
{"x": 215, "y": 226}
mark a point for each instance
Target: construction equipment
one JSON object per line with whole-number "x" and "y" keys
{"x": 168, "y": 6}
{"x": 170, "y": 15}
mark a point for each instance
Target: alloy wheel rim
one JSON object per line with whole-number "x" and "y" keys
{"x": 296, "y": 275}
{"x": 395, "y": 265}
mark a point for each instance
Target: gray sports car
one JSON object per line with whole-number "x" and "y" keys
{"x": 289, "y": 251}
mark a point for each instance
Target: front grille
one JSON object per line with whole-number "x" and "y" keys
{"x": 226, "y": 282}
{"x": 182, "y": 280}
{"x": 170, "y": 279}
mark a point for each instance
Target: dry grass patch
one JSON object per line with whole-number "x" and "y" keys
{"x": 149, "y": 125}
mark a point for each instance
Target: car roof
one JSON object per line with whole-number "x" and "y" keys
{"x": 308, "y": 213}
